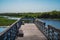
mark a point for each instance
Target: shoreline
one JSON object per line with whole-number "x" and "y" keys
{"x": 50, "y": 18}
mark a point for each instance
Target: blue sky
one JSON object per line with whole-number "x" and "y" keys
{"x": 29, "y": 5}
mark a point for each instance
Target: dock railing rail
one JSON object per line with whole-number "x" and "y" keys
{"x": 50, "y": 32}
{"x": 53, "y": 33}
{"x": 11, "y": 32}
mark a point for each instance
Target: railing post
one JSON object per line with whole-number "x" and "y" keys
{"x": 8, "y": 36}
{"x": 52, "y": 34}
{"x": 48, "y": 32}
{"x": 58, "y": 36}
{"x": 44, "y": 27}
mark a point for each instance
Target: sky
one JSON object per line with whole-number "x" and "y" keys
{"x": 17, "y": 6}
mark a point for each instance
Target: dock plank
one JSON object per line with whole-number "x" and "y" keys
{"x": 31, "y": 32}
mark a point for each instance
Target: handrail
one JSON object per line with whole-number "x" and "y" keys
{"x": 11, "y": 32}
{"x": 28, "y": 20}
{"x": 53, "y": 33}
{"x": 50, "y": 32}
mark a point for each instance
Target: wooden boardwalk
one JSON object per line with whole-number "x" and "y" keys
{"x": 31, "y": 32}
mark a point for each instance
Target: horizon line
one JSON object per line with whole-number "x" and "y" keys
{"x": 30, "y": 12}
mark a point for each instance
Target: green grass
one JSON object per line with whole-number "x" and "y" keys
{"x": 6, "y": 22}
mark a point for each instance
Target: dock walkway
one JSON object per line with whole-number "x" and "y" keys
{"x": 31, "y": 32}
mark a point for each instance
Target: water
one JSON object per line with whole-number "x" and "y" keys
{"x": 12, "y": 18}
{"x": 2, "y": 29}
{"x": 54, "y": 23}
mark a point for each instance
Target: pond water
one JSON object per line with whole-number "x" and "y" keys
{"x": 12, "y": 18}
{"x": 2, "y": 29}
{"x": 54, "y": 23}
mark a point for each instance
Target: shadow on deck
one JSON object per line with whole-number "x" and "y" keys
{"x": 31, "y": 32}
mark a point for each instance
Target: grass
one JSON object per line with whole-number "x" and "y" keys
{"x": 5, "y": 21}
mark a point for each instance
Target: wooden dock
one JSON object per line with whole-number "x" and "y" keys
{"x": 31, "y": 32}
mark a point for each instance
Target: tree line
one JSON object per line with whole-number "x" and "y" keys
{"x": 52, "y": 14}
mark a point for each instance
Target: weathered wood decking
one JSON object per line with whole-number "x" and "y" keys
{"x": 31, "y": 32}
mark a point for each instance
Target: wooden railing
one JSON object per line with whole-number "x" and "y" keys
{"x": 11, "y": 32}
{"x": 50, "y": 32}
